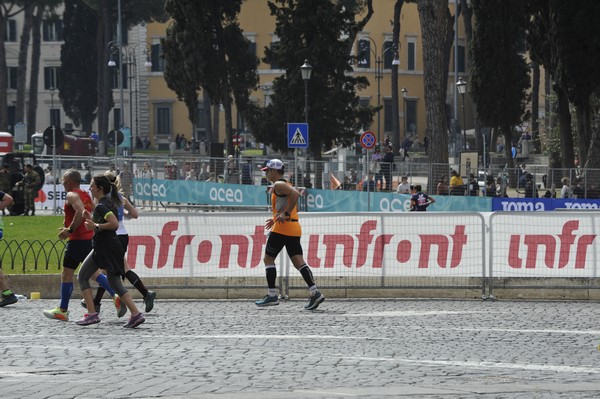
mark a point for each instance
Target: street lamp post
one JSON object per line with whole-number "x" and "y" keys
{"x": 461, "y": 86}
{"x": 404, "y": 94}
{"x": 52, "y": 91}
{"x": 306, "y": 70}
{"x": 379, "y": 61}
{"x": 129, "y": 54}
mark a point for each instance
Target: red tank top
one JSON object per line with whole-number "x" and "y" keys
{"x": 80, "y": 233}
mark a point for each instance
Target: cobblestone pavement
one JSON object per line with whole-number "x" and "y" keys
{"x": 345, "y": 349}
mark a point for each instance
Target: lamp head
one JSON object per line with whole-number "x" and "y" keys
{"x": 306, "y": 70}
{"x": 112, "y": 63}
{"x": 461, "y": 85}
{"x": 404, "y": 92}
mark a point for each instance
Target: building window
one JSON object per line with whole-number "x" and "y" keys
{"x": 157, "y": 59}
{"x": 412, "y": 55}
{"x": 11, "y": 30}
{"x": 363, "y": 58}
{"x": 274, "y": 48}
{"x": 55, "y": 117}
{"x": 364, "y": 103}
{"x": 410, "y": 118}
{"x": 252, "y": 48}
{"x": 388, "y": 54}
{"x": 50, "y": 77}
{"x": 52, "y": 30}
{"x": 11, "y": 77}
{"x": 163, "y": 120}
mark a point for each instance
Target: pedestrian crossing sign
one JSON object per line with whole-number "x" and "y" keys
{"x": 297, "y": 135}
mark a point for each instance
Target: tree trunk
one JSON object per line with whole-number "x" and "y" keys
{"x": 36, "y": 41}
{"x": 104, "y": 35}
{"x": 396, "y": 139}
{"x": 3, "y": 72}
{"x": 22, "y": 67}
{"x": 535, "y": 105}
{"x": 584, "y": 126}
{"x": 433, "y": 15}
{"x": 564, "y": 124}
{"x": 210, "y": 138}
{"x": 216, "y": 122}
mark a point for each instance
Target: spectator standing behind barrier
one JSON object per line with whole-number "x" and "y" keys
{"x": 530, "y": 187}
{"x": 285, "y": 232}
{"x": 406, "y": 144}
{"x": 29, "y": 183}
{"x": 5, "y": 185}
{"x": 419, "y": 200}
{"x": 565, "y": 191}
{"x": 247, "y": 172}
{"x": 403, "y": 187}
{"x": 387, "y": 163}
{"x": 369, "y": 184}
{"x": 442, "y": 186}
{"x": 8, "y": 297}
{"x": 231, "y": 170}
{"x": 457, "y": 186}
{"x": 473, "y": 186}
{"x": 490, "y": 186}
{"x": 49, "y": 176}
{"x": 375, "y": 165}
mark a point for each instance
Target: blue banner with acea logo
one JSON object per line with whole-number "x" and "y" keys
{"x": 206, "y": 193}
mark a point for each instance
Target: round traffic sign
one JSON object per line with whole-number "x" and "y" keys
{"x": 48, "y": 138}
{"x": 368, "y": 140}
{"x": 111, "y": 137}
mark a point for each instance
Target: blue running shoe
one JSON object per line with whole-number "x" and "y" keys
{"x": 268, "y": 300}
{"x": 314, "y": 301}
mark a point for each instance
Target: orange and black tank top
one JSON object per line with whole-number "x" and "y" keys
{"x": 80, "y": 233}
{"x": 290, "y": 227}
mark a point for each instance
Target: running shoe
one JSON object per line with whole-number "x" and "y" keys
{"x": 135, "y": 321}
{"x": 315, "y": 301}
{"x": 57, "y": 313}
{"x": 149, "y": 301}
{"x": 268, "y": 300}
{"x": 88, "y": 318}
{"x": 120, "y": 305}
{"x": 8, "y": 300}
{"x": 96, "y": 306}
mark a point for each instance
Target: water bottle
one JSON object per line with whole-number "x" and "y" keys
{"x": 20, "y": 297}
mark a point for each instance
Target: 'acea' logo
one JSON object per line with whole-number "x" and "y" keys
{"x": 153, "y": 190}
{"x": 226, "y": 195}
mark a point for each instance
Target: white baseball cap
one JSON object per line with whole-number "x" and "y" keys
{"x": 273, "y": 164}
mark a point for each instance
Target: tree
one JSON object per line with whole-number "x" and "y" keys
{"x": 78, "y": 88}
{"x": 499, "y": 73}
{"x": 211, "y": 50}
{"x": 8, "y": 9}
{"x": 312, "y": 30}
{"x": 34, "y": 73}
{"x": 28, "y": 8}
{"x": 437, "y": 32}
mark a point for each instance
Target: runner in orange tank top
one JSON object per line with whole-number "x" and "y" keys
{"x": 285, "y": 232}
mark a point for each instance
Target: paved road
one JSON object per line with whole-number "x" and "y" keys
{"x": 345, "y": 349}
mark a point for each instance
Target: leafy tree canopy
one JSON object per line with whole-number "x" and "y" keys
{"x": 317, "y": 31}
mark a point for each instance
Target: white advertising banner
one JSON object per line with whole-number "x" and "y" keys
{"x": 335, "y": 244}
{"x": 45, "y": 198}
{"x": 550, "y": 244}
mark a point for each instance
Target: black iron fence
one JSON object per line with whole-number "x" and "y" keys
{"x": 30, "y": 256}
